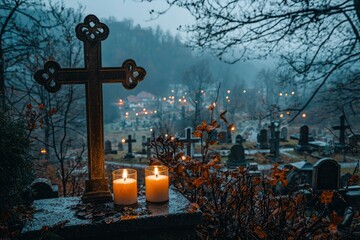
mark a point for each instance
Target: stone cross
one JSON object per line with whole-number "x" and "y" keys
{"x": 342, "y": 129}
{"x": 93, "y": 75}
{"x": 129, "y": 141}
{"x": 188, "y": 140}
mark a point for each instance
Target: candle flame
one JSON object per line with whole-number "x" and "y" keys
{"x": 124, "y": 175}
{"x": 156, "y": 171}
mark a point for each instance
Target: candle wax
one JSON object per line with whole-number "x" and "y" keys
{"x": 157, "y": 188}
{"x": 125, "y": 191}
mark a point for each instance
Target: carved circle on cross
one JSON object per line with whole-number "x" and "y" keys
{"x": 92, "y": 30}
{"x": 134, "y": 74}
{"x": 47, "y": 77}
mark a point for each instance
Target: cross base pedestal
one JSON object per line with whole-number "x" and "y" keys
{"x": 97, "y": 190}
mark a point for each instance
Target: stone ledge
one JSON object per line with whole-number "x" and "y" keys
{"x": 169, "y": 220}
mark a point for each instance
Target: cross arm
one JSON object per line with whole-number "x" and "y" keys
{"x": 129, "y": 74}
{"x": 53, "y": 76}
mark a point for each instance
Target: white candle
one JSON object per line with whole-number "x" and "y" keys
{"x": 157, "y": 186}
{"x": 125, "y": 189}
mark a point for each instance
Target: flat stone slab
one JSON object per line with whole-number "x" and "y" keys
{"x": 72, "y": 219}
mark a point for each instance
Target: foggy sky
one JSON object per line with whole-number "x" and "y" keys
{"x": 139, "y": 12}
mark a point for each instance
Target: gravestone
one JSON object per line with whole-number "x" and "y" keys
{"x": 108, "y": 148}
{"x": 326, "y": 175}
{"x": 143, "y": 144}
{"x": 262, "y": 139}
{"x": 236, "y": 157}
{"x": 275, "y": 141}
{"x": 300, "y": 173}
{"x": 188, "y": 141}
{"x": 129, "y": 141}
{"x": 239, "y": 139}
{"x": 93, "y": 75}
{"x": 303, "y": 143}
{"x": 43, "y": 189}
{"x": 284, "y": 134}
{"x": 120, "y": 146}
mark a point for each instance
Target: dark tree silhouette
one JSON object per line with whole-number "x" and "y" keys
{"x": 315, "y": 38}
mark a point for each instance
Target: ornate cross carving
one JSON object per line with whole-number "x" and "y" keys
{"x": 93, "y": 75}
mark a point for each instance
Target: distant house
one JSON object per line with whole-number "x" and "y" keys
{"x": 134, "y": 101}
{"x": 146, "y": 97}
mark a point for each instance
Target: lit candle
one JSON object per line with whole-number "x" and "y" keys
{"x": 125, "y": 186}
{"x": 156, "y": 184}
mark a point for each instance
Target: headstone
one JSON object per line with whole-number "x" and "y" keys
{"x": 326, "y": 175}
{"x": 129, "y": 141}
{"x": 275, "y": 141}
{"x": 120, "y": 146}
{"x": 237, "y": 156}
{"x": 143, "y": 144}
{"x": 303, "y": 143}
{"x": 43, "y": 189}
{"x": 262, "y": 139}
{"x": 304, "y": 135}
{"x": 301, "y": 173}
{"x": 93, "y": 75}
{"x": 284, "y": 134}
{"x": 108, "y": 148}
{"x": 239, "y": 139}
{"x": 188, "y": 141}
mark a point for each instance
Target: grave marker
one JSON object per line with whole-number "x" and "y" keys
{"x": 129, "y": 141}
{"x": 326, "y": 175}
{"x": 284, "y": 134}
{"x": 108, "y": 148}
{"x": 188, "y": 141}
{"x": 303, "y": 143}
{"x": 143, "y": 144}
{"x": 237, "y": 156}
{"x": 93, "y": 75}
{"x": 262, "y": 139}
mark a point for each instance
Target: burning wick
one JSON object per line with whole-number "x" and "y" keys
{"x": 124, "y": 175}
{"x": 156, "y": 171}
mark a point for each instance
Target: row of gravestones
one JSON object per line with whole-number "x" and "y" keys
{"x": 129, "y": 141}
{"x": 263, "y": 137}
{"x": 323, "y": 175}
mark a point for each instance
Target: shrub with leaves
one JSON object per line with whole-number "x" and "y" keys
{"x": 15, "y": 173}
{"x": 238, "y": 205}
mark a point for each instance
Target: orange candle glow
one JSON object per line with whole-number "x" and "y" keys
{"x": 125, "y": 186}
{"x": 157, "y": 184}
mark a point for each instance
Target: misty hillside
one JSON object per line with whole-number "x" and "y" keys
{"x": 163, "y": 56}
